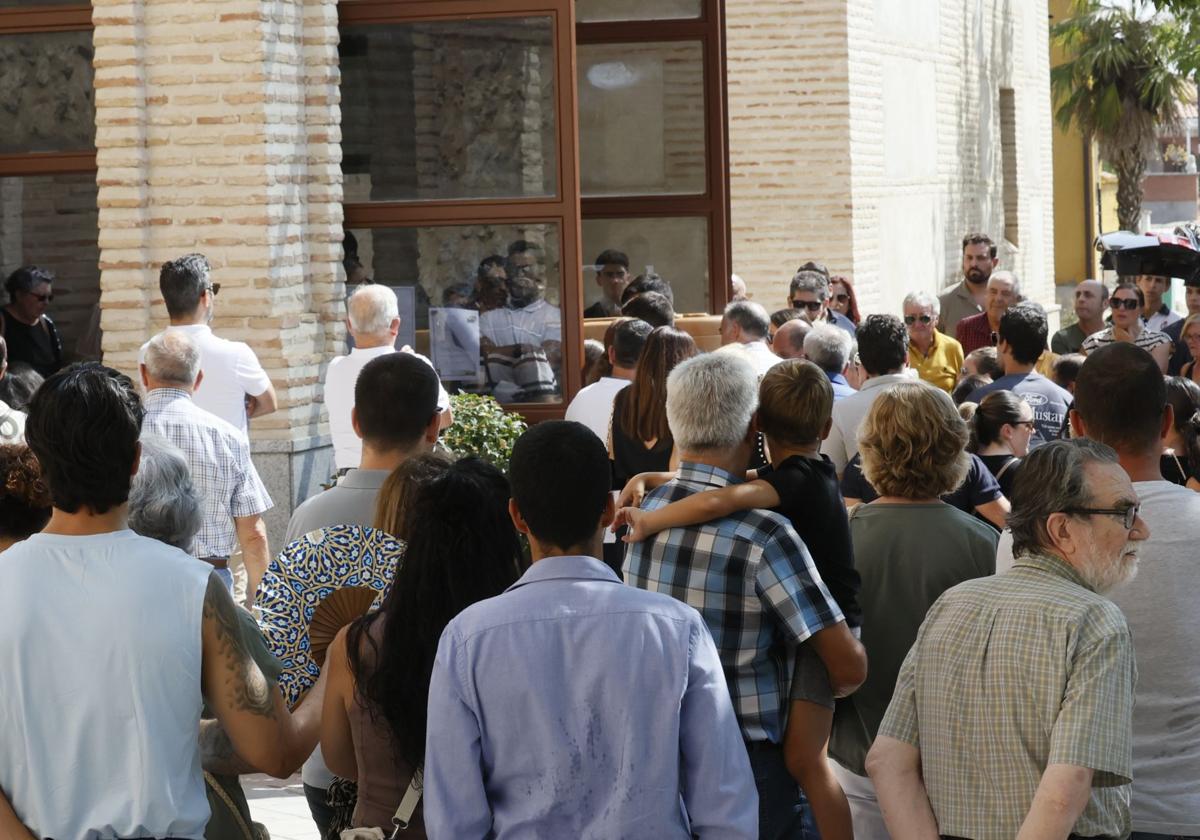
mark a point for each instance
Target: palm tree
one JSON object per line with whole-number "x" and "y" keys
{"x": 1121, "y": 86}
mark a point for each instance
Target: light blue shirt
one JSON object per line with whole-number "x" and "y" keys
{"x": 575, "y": 706}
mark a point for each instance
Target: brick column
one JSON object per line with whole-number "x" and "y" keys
{"x": 217, "y": 130}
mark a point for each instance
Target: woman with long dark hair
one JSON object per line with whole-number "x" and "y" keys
{"x": 1181, "y": 453}
{"x": 842, "y": 298}
{"x": 465, "y": 550}
{"x": 640, "y": 439}
{"x": 1000, "y": 432}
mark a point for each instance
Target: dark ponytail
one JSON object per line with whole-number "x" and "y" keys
{"x": 996, "y": 410}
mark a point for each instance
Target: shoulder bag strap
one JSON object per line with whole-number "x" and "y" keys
{"x": 1007, "y": 464}
{"x": 408, "y": 805}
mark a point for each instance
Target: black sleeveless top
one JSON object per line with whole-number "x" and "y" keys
{"x": 629, "y": 455}
{"x": 38, "y": 346}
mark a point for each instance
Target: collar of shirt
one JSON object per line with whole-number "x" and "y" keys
{"x": 162, "y": 396}
{"x": 933, "y": 345}
{"x": 381, "y": 350}
{"x": 706, "y": 474}
{"x": 569, "y": 567}
{"x": 358, "y": 479}
{"x": 1053, "y": 565}
{"x": 882, "y": 381}
{"x": 836, "y": 378}
{"x": 191, "y": 329}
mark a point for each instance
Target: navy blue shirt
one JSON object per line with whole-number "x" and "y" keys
{"x": 978, "y": 488}
{"x": 1049, "y": 402}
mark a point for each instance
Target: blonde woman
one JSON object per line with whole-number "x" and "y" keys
{"x": 909, "y": 548}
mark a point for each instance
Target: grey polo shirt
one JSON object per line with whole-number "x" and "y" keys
{"x": 350, "y": 502}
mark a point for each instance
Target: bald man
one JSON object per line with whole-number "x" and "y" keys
{"x": 1091, "y": 299}
{"x": 789, "y": 339}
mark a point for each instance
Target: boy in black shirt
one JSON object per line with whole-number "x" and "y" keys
{"x": 794, "y": 414}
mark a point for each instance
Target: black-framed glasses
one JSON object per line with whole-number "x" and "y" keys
{"x": 810, "y": 305}
{"x": 214, "y": 289}
{"x": 912, "y": 319}
{"x": 1032, "y": 424}
{"x": 46, "y": 298}
{"x": 1128, "y": 303}
{"x": 1128, "y": 515}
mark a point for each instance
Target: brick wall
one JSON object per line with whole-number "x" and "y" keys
{"x": 866, "y": 133}
{"x": 217, "y": 131}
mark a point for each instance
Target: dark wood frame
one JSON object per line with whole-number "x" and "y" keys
{"x": 561, "y": 209}
{"x": 25, "y": 20}
{"x": 713, "y": 204}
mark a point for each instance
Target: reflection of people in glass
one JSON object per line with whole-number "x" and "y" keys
{"x": 458, "y": 296}
{"x": 522, "y": 343}
{"x": 491, "y": 284}
{"x": 612, "y": 276}
{"x": 356, "y": 272}
{"x": 523, "y": 258}
{"x": 31, "y": 335}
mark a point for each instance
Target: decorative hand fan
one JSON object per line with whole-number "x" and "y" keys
{"x": 334, "y": 613}
{"x": 304, "y": 574}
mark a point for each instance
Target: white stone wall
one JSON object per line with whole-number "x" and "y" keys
{"x": 891, "y": 110}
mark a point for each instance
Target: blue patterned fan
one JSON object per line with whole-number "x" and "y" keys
{"x": 305, "y": 573}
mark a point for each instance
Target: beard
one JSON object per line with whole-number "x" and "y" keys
{"x": 975, "y": 276}
{"x": 1104, "y": 574}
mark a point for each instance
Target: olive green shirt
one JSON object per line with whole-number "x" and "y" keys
{"x": 1009, "y": 674}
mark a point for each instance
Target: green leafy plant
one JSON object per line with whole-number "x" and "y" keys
{"x": 481, "y": 427}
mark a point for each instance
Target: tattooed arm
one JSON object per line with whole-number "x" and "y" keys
{"x": 251, "y": 711}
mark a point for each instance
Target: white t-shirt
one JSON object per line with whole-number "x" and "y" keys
{"x": 1160, "y": 605}
{"x": 759, "y": 354}
{"x": 340, "y": 379}
{"x": 842, "y": 444}
{"x": 12, "y": 424}
{"x": 593, "y": 405}
{"x": 231, "y": 371}
{"x": 100, "y": 653}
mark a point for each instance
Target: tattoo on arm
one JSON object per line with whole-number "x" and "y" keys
{"x": 248, "y": 688}
{"x": 217, "y": 754}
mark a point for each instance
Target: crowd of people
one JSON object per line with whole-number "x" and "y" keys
{"x": 846, "y": 576}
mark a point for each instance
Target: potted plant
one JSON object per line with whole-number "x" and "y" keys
{"x": 481, "y": 427}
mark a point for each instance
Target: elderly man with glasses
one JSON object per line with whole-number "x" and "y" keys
{"x": 936, "y": 357}
{"x": 809, "y": 293}
{"x": 1011, "y": 714}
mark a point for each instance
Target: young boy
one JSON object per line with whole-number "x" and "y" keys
{"x": 794, "y": 414}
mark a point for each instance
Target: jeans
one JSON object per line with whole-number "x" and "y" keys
{"x": 782, "y": 811}
{"x": 318, "y": 806}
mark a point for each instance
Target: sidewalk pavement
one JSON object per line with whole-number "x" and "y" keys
{"x": 279, "y": 804}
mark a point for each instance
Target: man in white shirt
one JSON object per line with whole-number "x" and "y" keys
{"x": 883, "y": 354}
{"x": 12, "y": 421}
{"x": 593, "y": 405}
{"x": 1120, "y": 399}
{"x": 235, "y": 386}
{"x": 522, "y": 343}
{"x": 373, "y": 318}
{"x": 151, "y": 632}
{"x": 1155, "y": 314}
{"x": 748, "y": 324}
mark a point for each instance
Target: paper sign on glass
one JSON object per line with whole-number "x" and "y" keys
{"x": 454, "y": 343}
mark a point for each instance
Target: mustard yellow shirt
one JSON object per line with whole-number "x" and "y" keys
{"x": 943, "y": 363}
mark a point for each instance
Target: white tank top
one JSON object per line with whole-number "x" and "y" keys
{"x": 100, "y": 654}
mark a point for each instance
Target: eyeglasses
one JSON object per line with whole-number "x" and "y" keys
{"x": 1032, "y": 424}
{"x": 912, "y": 319}
{"x": 46, "y": 298}
{"x": 810, "y": 305}
{"x": 1129, "y": 303}
{"x": 842, "y": 297}
{"x": 1128, "y": 515}
{"x": 214, "y": 289}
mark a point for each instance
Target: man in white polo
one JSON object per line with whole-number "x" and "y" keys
{"x": 373, "y": 318}
{"x": 593, "y": 405}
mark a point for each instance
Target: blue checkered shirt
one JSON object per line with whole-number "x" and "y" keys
{"x": 751, "y": 578}
{"x": 219, "y": 457}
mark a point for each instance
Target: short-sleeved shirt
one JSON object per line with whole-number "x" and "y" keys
{"x": 1068, "y": 340}
{"x": 908, "y": 555}
{"x": 1008, "y": 675}
{"x": 1049, "y": 402}
{"x": 809, "y": 497}
{"x": 956, "y": 303}
{"x": 1147, "y": 339}
{"x": 593, "y": 405}
{"x": 231, "y": 371}
{"x": 1004, "y": 469}
{"x": 941, "y": 365}
{"x": 978, "y": 488}
{"x": 754, "y": 583}
{"x": 219, "y": 458}
{"x": 38, "y": 345}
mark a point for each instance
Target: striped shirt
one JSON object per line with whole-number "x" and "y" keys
{"x": 219, "y": 457}
{"x": 1009, "y": 674}
{"x": 1147, "y": 339}
{"x": 753, "y": 581}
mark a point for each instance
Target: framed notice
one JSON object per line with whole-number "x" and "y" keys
{"x": 454, "y": 344}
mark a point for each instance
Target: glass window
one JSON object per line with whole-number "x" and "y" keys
{"x": 674, "y": 248}
{"x": 46, "y": 95}
{"x": 448, "y": 110}
{"x": 591, "y": 11}
{"x": 641, "y": 119}
{"x": 51, "y": 221}
{"x": 485, "y": 301}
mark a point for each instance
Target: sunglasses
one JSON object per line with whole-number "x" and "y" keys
{"x": 842, "y": 297}
{"x": 46, "y": 298}
{"x": 912, "y": 319}
{"x": 1129, "y": 303}
{"x": 214, "y": 289}
{"x": 810, "y": 305}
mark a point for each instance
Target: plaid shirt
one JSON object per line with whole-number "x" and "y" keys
{"x": 752, "y": 580}
{"x": 974, "y": 332}
{"x": 219, "y": 457}
{"x": 1009, "y": 674}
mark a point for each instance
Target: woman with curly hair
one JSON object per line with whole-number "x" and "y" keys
{"x": 465, "y": 550}
{"x": 25, "y": 497}
{"x": 909, "y": 548}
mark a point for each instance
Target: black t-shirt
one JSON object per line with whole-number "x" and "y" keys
{"x": 38, "y": 346}
{"x": 809, "y": 497}
{"x": 978, "y": 488}
{"x": 1175, "y": 469}
{"x": 1005, "y": 475}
